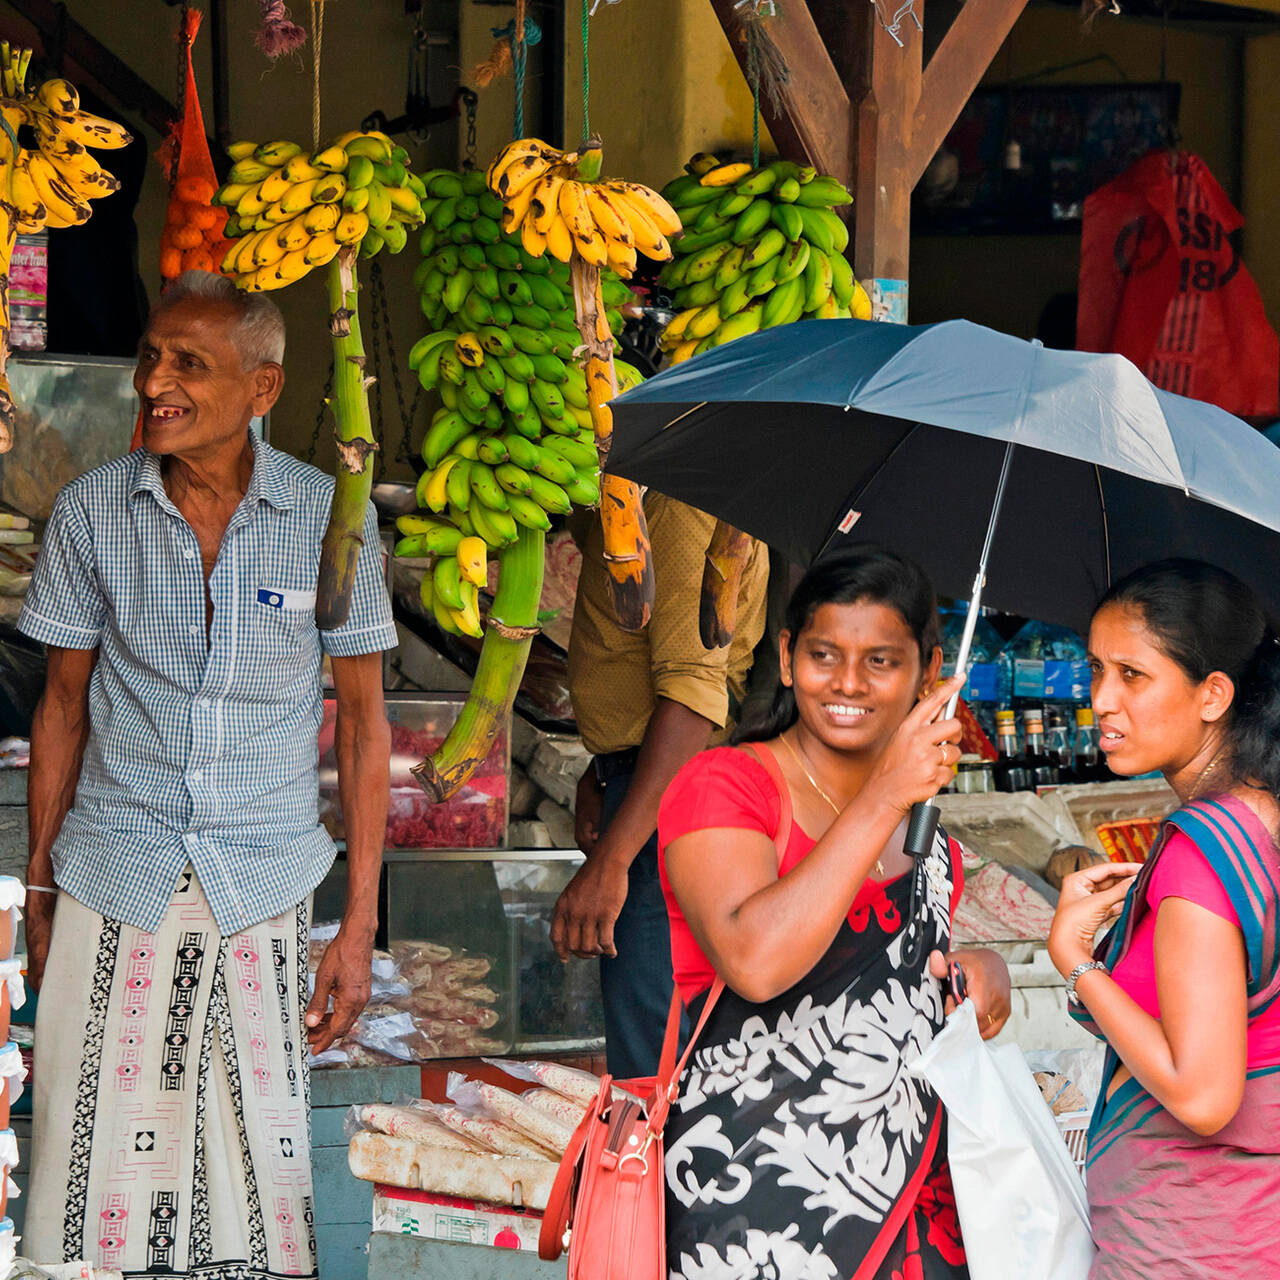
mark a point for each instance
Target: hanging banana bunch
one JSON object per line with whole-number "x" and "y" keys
{"x": 49, "y": 186}
{"x": 291, "y": 212}
{"x": 558, "y": 204}
{"x": 762, "y": 246}
{"x": 511, "y": 446}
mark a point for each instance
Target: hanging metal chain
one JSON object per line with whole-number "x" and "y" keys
{"x": 320, "y": 415}
{"x": 382, "y": 330}
{"x": 469, "y": 99}
{"x": 180, "y": 96}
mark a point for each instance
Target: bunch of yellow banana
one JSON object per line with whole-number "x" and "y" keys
{"x": 51, "y": 184}
{"x": 557, "y": 203}
{"x": 761, "y": 247}
{"x": 512, "y": 444}
{"x": 292, "y": 211}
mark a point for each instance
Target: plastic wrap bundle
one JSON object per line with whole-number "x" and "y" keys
{"x": 427, "y": 1001}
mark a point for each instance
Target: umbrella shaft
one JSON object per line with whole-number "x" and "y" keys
{"x": 922, "y": 825}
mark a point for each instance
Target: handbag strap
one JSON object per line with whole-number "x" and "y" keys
{"x": 669, "y": 1071}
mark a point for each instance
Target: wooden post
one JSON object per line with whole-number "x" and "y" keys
{"x": 862, "y": 107}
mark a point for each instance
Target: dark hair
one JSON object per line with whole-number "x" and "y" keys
{"x": 1205, "y": 619}
{"x": 848, "y": 577}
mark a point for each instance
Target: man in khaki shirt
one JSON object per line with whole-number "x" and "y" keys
{"x": 646, "y": 702}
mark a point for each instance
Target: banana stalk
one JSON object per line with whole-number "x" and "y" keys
{"x": 8, "y": 410}
{"x": 512, "y": 624}
{"x": 726, "y": 558}
{"x": 344, "y": 536}
{"x": 8, "y": 238}
{"x": 626, "y": 535}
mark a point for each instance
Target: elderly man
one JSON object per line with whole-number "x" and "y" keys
{"x": 174, "y": 836}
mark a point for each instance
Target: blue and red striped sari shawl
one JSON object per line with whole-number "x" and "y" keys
{"x": 1164, "y": 1201}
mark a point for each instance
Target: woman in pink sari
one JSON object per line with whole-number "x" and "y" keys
{"x": 1184, "y": 1149}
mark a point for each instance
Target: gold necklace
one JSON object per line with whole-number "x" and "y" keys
{"x": 795, "y": 755}
{"x": 1205, "y": 772}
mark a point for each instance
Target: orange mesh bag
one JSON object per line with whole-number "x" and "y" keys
{"x": 193, "y": 233}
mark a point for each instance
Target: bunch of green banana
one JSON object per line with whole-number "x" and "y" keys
{"x": 292, "y": 211}
{"x": 761, "y": 247}
{"x": 512, "y": 443}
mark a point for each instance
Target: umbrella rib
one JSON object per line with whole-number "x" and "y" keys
{"x": 1106, "y": 528}
{"x": 854, "y": 497}
{"x": 675, "y": 421}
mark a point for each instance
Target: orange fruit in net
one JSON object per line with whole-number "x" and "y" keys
{"x": 170, "y": 263}
{"x": 197, "y": 260}
{"x": 203, "y": 216}
{"x": 194, "y": 190}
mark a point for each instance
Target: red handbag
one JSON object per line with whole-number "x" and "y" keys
{"x": 608, "y": 1202}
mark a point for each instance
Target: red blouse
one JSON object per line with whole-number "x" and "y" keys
{"x": 728, "y": 787}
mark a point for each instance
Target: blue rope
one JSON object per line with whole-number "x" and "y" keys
{"x": 519, "y": 56}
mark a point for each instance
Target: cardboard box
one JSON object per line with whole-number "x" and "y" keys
{"x": 435, "y": 1217}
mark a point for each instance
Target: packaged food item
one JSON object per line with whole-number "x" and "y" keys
{"x": 398, "y": 1162}
{"x": 428, "y": 1001}
{"x": 556, "y": 1105}
{"x": 574, "y": 1083}
{"x": 407, "y": 1122}
{"x": 487, "y": 1131}
{"x": 480, "y": 1099}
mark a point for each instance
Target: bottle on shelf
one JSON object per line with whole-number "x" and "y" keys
{"x": 1087, "y": 764}
{"x": 1057, "y": 743}
{"x": 1011, "y": 772}
{"x": 1042, "y": 770}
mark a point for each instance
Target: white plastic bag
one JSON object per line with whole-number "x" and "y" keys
{"x": 1022, "y": 1205}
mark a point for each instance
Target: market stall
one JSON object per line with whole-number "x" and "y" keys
{"x": 440, "y": 1117}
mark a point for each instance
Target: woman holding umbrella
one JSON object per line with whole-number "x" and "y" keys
{"x": 1184, "y": 1151}
{"x": 800, "y": 1145}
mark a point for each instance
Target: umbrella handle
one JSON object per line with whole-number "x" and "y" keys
{"x": 922, "y": 829}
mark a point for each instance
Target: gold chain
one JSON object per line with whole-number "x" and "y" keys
{"x": 1206, "y": 772}
{"x": 795, "y": 755}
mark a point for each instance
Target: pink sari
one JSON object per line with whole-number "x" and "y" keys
{"x": 1166, "y": 1203}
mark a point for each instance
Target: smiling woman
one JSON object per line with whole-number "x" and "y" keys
{"x": 801, "y": 1142}
{"x": 1185, "y": 990}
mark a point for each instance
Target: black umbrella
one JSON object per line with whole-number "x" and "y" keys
{"x": 1054, "y": 472}
{"x": 813, "y": 432}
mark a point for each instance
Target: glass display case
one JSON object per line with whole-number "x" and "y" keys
{"x": 467, "y": 968}
{"x": 475, "y": 818}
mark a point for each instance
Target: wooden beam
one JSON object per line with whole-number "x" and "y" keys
{"x": 814, "y": 123}
{"x": 953, "y": 73}
{"x": 111, "y": 76}
{"x": 885, "y": 94}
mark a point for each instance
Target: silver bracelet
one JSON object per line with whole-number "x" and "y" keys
{"x": 41, "y": 888}
{"x": 1077, "y": 973}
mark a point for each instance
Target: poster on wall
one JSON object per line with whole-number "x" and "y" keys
{"x": 1022, "y": 160}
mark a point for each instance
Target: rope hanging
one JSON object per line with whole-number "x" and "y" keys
{"x": 519, "y": 58}
{"x": 755, "y": 123}
{"x": 767, "y": 69}
{"x": 278, "y": 34}
{"x": 586, "y": 69}
{"x": 501, "y": 59}
{"x": 317, "y": 41}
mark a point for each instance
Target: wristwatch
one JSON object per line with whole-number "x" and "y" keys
{"x": 1076, "y": 973}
